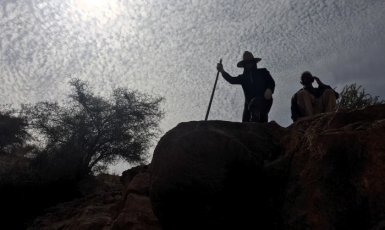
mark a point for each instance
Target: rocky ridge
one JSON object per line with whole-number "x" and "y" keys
{"x": 324, "y": 172}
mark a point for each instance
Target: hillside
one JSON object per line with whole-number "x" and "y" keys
{"x": 324, "y": 172}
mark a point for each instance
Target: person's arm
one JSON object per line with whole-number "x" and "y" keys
{"x": 337, "y": 94}
{"x": 230, "y": 79}
{"x": 227, "y": 77}
{"x": 321, "y": 84}
{"x": 295, "y": 113}
{"x": 324, "y": 87}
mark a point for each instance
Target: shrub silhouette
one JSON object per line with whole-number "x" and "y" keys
{"x": 352, "y": 98}
{"x": 13, "y": 131}
{"x": 68, "y": 142}
{"x": 88, "y": 133}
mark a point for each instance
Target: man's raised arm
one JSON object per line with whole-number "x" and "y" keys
{"x": 227, "y": 77}
{"x": 323, "y": 86}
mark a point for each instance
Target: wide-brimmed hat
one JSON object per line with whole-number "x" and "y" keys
{"x": 247, "y": 56}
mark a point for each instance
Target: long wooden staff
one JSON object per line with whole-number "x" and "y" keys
{"x": 212, "y": 94}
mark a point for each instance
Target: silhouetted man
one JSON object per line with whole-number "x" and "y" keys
{"x": 258, "y": 87}
{"x": 309, "y": 101}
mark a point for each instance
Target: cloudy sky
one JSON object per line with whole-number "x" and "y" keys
{"x": 170, "y": 48}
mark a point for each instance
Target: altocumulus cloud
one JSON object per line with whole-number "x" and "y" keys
{"x": 170, "y": 48}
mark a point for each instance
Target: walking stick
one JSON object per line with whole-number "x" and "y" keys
{"x": 212, "y": 94}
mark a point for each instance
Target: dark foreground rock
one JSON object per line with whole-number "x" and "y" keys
{"x": 325, "y": 172}
{"x": 109, "y": 203}
{"x": 210, "y": 175}
{"x": 336, "y": 175}
{"x": 94, "y": 211}
{"x": 134, "y": 210}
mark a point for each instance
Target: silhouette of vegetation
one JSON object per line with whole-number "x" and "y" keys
{"x": 88, "y": 132}
{"x": 353, "y": 97}
{"x": 25, "y": 192}
{"x": 67, "y": 142}
{"x": 13, "y": 131}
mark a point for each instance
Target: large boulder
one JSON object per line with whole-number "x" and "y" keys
{"x": 323, "y": 172}
{"x": 209, "y": 175}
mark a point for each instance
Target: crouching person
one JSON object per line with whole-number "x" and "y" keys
{"x": 309, "y": 101}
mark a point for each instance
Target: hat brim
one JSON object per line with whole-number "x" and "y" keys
{"x": 241, "y": 64}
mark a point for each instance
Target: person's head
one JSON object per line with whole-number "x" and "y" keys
{"x": 249, "y": 64}
{"x": 307, "y": 79}
{"x": 249, "y": 61}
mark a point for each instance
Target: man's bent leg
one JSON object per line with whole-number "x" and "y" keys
{"x": 306, "y": 103}
{"x": 260, "y": 108}
{"x": 266, "y": 109}
{"x": 255, "y": 111}
{"x": 329, "y": 100}
{"x": 246, "y": 114}
{"x": 264, "y": 117}
{"x": 255, "y": 114}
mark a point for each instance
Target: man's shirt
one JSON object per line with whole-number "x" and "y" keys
{"x": 254, "y": 83}
{"x": 315, "y": 92}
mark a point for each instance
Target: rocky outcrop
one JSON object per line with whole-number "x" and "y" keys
{"x": 209, "y": 175}
{"x": 108, "y": 204}
{"x": 335, "y": 178}
{"x": 135, "y": 210}
{"x": 94, "y": 211}
{"x": 324, "y": 172}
